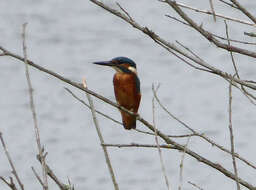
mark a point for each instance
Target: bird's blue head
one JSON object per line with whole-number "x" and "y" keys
{"x": 120, "y": 64}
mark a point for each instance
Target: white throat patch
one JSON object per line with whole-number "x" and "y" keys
{"x": 132, "y": 69}
{"x": 117, "y": 69}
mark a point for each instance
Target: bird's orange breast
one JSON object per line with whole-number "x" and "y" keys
{"x": 128, "y": 95}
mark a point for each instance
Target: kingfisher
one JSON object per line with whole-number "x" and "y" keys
{"x": 126, "y": 87}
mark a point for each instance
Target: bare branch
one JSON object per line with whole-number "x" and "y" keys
{"x": 232, "y": 136}
{"x": 11, "y": 184}
{"x": 181, "y": 165}
{"x": 139, "y": 145}
{"x": 32, "y": 107}
{"x": 170, "y": 46}
{"x": 251, "y": 34}
{"x": 195, "y": 185}
{"x": 11, "y": 164}
{"x": 118, "y": 122}
{"x": 37, "y": 176}
{"x": 210, "y": 13}
{"x": 213, "y": 11}
{"x": 111, "y": 171}
{"x": 124, "y": 11}
{"x": 203, "y": 136}
{"x": 217, "y": 36}
{"x": 157, "y": 143}
{"x": 51, "y": 174}
{"x": 229, "y": 4}
{"x": 231, "y": 53}
{"x": 245, "y": 92}
{"x": 244, "y": 10}
{"x": 208, "y": 35}
{"x": 83, "y": 102}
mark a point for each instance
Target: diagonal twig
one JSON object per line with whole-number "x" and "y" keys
{"x": 211, "y": 13}
{"x": 11, "y": 184}
{"x": 202, "y": 135}
{"x": 244, "y": 10}
{"x": 195, "y": 185}
{"x": 37, "y": 176}
{"x": 118, "y": 122}
{"x": 111, "y": 171}
{"x": 11, "y": 164}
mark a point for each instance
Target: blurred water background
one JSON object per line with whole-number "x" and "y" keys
{"x": 67, "y": 36}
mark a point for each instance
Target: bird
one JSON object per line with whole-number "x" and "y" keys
{"x": 126, "y": 87}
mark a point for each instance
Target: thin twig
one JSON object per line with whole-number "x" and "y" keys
{"x": 181, "y": 165}
{"x": 111, "y": 171}
{"x": 246, "y": 93}
{"x": 32, "y": 107}
{"x": 11, "y": 184}
{"x": 11, "y": 163}
{"x": 215, "y": 35}
{"x": 195, "y": 185}
{"x": 244, "y": 10}
{"x": 232, "y": 136}
{"x": 124, "y": 11}
{"x": 189, "y": 50}
{"x": 203, "y": 136}
{"x": 166, "y": 146}
{"x": 37, "y": 176}
{"x": 118, "y": 122}
{"x": 173, "y": 136}
{"x": 251, "y": 34}
{"x": 51, "y": 174}
{"x": 229, "y": 4}
{"x": 231, "y": 53}
{"x": 206, "y": 34}
{"x": 213, "y": 11}
{"x": 157, "y": 143}
{"x": 83, "y": 102}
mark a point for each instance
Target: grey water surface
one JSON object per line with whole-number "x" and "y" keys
{"x": 66, "y": 37}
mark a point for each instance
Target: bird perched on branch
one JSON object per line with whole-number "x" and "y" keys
{"x": 126, "y": 87}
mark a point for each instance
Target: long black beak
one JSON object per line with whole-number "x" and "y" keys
{"x": 104, "y": 63}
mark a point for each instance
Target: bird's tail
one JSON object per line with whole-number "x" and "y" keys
{"x": 129, "y": 121}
